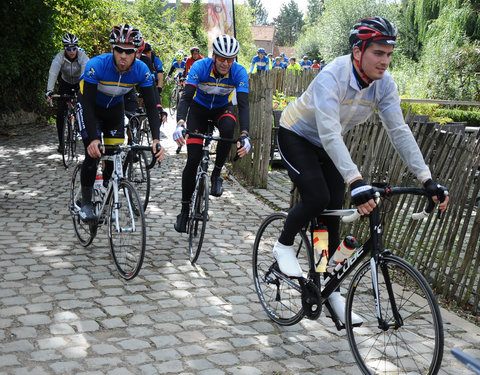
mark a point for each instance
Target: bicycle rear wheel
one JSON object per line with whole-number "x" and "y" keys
{"x": 69, "y": 145}
{"x": 197, "y": 222}
{"x": 137, "y": 173}
{"x": 126, "y": 230}
{"x": 279, "y": 295}
{"x": 413, "y": 341}
{"x": 85, "y": 232}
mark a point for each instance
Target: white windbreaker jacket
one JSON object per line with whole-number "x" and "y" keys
{"x": 334, "y": 103}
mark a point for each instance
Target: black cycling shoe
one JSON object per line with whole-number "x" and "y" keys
{"x": 181, "y": 223}
{"x": 60, "y": 149}
{"x": 87, "y": 214}
{"x": 217, "y": 188}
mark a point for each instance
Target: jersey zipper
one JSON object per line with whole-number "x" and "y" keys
{"x": 118, "y": 85}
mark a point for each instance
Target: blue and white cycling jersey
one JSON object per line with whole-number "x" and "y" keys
{"x": 216, "y": 92}
{"x": 262, "y": 64}
{"x": 111, "y": 85}
{"x": 306, "y": 65}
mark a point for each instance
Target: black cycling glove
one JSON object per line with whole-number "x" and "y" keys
{"x": 361, "y": 192}
{"x": 433, "y": 189}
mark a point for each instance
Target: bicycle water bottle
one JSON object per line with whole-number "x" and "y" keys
{"x": 98, "y": 189}
{"x": 320, "y": 247}
{"x": 344, "y": 251}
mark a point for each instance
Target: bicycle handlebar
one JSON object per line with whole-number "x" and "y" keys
{"x": 120, "y": 148}
{"x": 211, "y": 137}
{"x": 65, "y": 96}
{"x": 385, "y": 191}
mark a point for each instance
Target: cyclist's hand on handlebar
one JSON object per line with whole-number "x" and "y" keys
{"x": 243, "y": 145}
{"x": 438, "y": 193}
{"x": 93, "y": 149}
{"x": 179, "y": 134}
{"x": 48, "y": 96}
{"x": 362, "y": 196}
{"x": 160, "y": 154}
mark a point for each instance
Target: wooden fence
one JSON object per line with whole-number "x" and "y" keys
{"x": 445, "y": 250}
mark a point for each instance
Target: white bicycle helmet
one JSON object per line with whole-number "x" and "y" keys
{"x": 70, "y": 40}
{"x": 226, "y": 46}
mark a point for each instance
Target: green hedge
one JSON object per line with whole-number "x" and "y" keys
{"x": 471, "y": 117}
{"x": 26, "y": 56}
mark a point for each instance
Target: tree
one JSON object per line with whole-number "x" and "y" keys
{"x": 243, "y": 33}
{"x": 315, "y": 9}
{"x": 260, "y": 14}
{"x": 195, "y": 16}
{"x": 288, "y": 24}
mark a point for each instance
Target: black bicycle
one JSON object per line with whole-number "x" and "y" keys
{"x": 177, "y": 91}
{"x": 402, "y": 330}
{"x": 71, "y": 132}
{"x": 198, "y": 216}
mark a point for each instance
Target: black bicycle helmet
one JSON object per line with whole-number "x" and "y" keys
{"x": 373, "y": 29}
{"x": 126, "y": 34}
{"x": 70, "y": 40}
{"x": 226, "y": 46}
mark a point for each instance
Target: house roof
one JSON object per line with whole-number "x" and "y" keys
{"x": 263, "y": 32}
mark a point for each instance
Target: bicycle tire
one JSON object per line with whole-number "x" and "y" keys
{"x": 68, "y": 154}
{"x": 85, "y": 232}
{"x": 197, "y": 222}
{"x": 134, "y": 127}
{"x": 279, "y": 295}
{"x": 127, "y": 240}
{"x": 173, "y": 101}
{"x": 414, "y": 347}
{"x": 137, "y": 173}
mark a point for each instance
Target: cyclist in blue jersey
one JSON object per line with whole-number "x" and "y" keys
{"x": 70, "y": 64}
{"x": 209, "y": 89}
{"x": 278, "y": 63}
{"x": 306, "y": 64}
{"x": 284, "y": 58}
{"x": 106, "y": 80}
{"x": 178, "y": 65}
{"x": 311, "y": 143}
{"x": 260, "y": 62}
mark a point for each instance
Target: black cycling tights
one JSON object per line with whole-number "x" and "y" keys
{"x": 317, "y": 179}
{"x": 197, "y": 120}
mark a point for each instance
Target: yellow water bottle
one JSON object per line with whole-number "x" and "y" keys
{"x": 320, "y": 247}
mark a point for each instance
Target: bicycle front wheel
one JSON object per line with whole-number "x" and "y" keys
{"x": 197, "y": 222}
{"x": 69, "y": 148}
{"x": 409, "y": 337}
{"x": 137, "y": 173}
{"x": 85, "y": 232}
{"x": 280, "y": 296}
{"x": 126, "y": 230}
{"x": 173, "y": 101}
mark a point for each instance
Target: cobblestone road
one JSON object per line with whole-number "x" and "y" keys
{"x": 64, "y": 310}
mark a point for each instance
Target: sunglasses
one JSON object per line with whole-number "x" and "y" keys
{"x": 128, "y": 51}
{"x": 221, "y": 59}
{"x": 71, "y": 49}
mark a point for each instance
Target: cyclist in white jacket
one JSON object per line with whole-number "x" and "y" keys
{"x": 310, "y": 139}
{"x": 69, "y": 63}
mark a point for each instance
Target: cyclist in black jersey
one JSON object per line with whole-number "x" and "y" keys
{"x": 69, "y": 63}
{"x": 106, "y": 80}
{"x": 310, "y": 139}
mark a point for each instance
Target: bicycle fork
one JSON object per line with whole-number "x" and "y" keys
{"x": 397, "y": 321}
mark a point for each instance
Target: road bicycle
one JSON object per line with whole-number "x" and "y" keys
{"x": 71, "y": 132}
{"x": 119, "y": 207}
{"x": 176, "y": 93}
{"x": 402, "y": 329}
{"x": 198, "y": 215}
{"x": 469, "y": 361}
{"x": 136, "y": 162}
